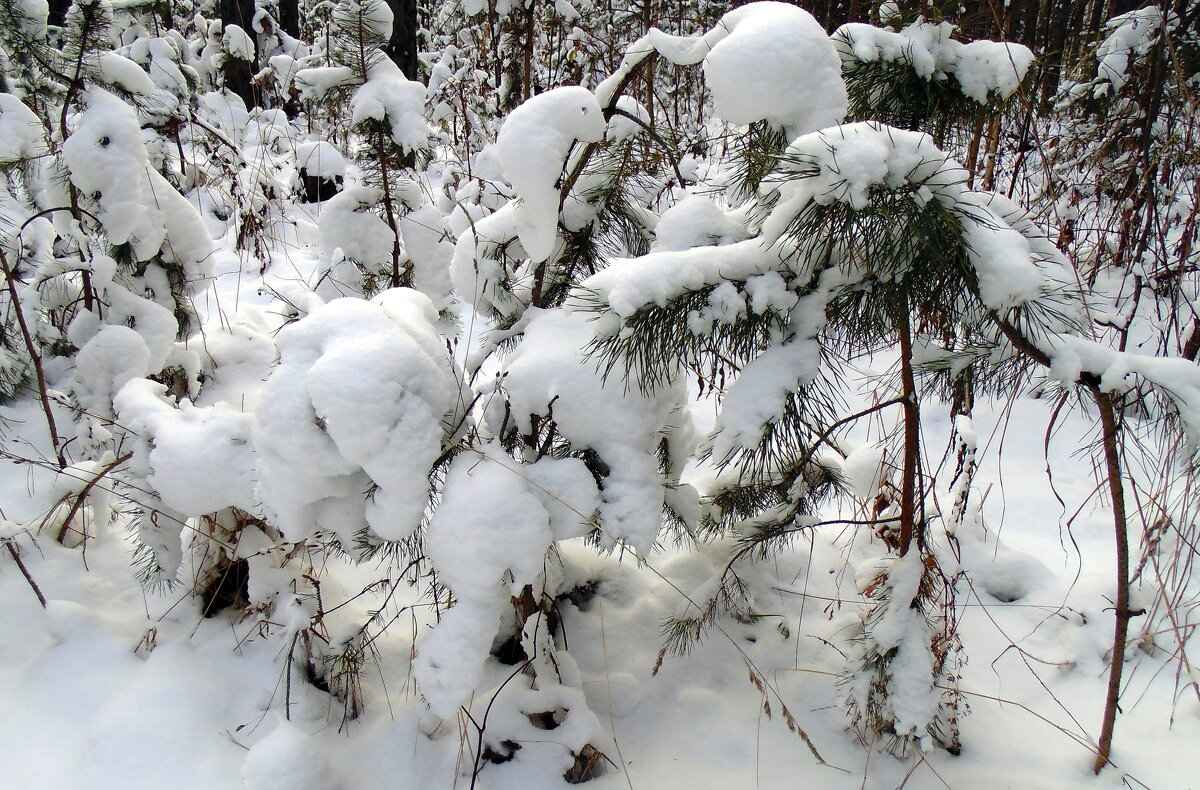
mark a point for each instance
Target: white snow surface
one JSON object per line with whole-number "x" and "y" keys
{"x": 364, "y": 398}
{"x": 533, "y": 143}
{"x": 765, "y": 61}
{"x": 1132, "y": 34}
{"x": 549, "y": 373}
{"x": 983, "y": 69}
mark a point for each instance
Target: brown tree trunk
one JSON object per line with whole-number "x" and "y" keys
{"x": 1123, "y": 615}
{"x": 910, "y": 524}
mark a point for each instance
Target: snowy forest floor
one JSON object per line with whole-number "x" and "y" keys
{"x": 112, "y": 686}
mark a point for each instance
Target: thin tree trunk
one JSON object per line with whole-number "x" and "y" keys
{"x": 35, "y": 360}
{"x": 397, "y": 279}
{"x": 1123, "y": 615}
{"x": 16, "y": 555}
{"x": 909, "y": 523}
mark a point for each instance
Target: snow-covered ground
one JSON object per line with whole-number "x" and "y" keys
{"x": 111, "y": 686}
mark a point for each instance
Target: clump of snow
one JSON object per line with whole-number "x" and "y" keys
{"x": 365, "y": 398}
{"x": 843, "y": 165}
{"x": 983, "y": 69}
{"x": 1132, "y": 35}
{"x": 320, "y": 159}
{"x": 107, "y": 157}
{"x": 238, "y": 43}
{"x": 532, "y": 146}
{"x": 490, "y": 533}
{"x": 766, "y": 61}
{"x": 348, "y": 223}
{"x": 21, "y": 133}
{"x": 549, "y": 373}
{"x": 391, "y": 98}
{"x": 427, "y": 245}
{"x": 897, "y": 630}
{"x": 121, "y": 72}
{"x": 478, "y": 266}
{"x": 107, "y": 362}
{"x": 198, "y": 460}
{"x": 621, "y": 127}
{"x": 318, "y": 82}
{"x": 696, "y": 221}
{"x": 107, "y": 161}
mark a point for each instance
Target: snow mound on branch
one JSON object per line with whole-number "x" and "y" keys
{"x": 490, "y": 534}
{"x": 320, "y": 159}
{"x": 982, "y": 68}
{"x": 238, "y": 43}
{"x": 391, "y": 98}
{"x": 21, "y": 133}
{"x": 199, "y": 460}
{"x": 375, "y": 15}
{"x": 121, "y": 72}
{"x": 696, "y": 221}
{"x": 1133, "y": 34}
{"x": 1014, "y": 264}
{"x": 364, "y": 398}
{"x": 478, "y": 265}
{"x": 107, "y": 161}
{"x": 843, "y": 165}
{"x": 766, "y": 61}
{"x": 629, "y": 284}
{"x": 532, "y": 146}
{"x": 114, "y": 356}
{"x": 550, "y": 374}
{"x": 106, "y": 156}
{"x": 347, "y": 223}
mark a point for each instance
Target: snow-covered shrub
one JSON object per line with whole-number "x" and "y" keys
{"x": 387, "y": 119}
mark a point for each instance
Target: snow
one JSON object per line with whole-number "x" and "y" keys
{"x": 488, "y": 539}
{"x": 348, "y": 224}
{"x": 1132, "y": 34}
{"x": 533, "y": 143}
{"x": 286, "y": 760}
{"x": 105, "y": 154}
{"x": 696, "y": 221}
{"x": 21, "y": 134}
{"x": 33, "y": 16}
{"x": 319, "y": 81}
{"x": 106, "y": 363}
{"x": 320, "y": 159}
{"x": 238, "y": 43}
{"x": 983, "y": 69}
{"x": 549, "y": 373}
{"x": 378, "y": 477}
{"x": 124, "y": 73}
{"x": 389, "y": 97}
{"x": 364, "y": 395}
{"x": 766, "y": 61}
{"x": 198, "y": 460}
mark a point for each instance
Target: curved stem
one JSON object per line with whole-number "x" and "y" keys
{"x": 1116, "y": 490}
{"x": 35, "y": 360}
